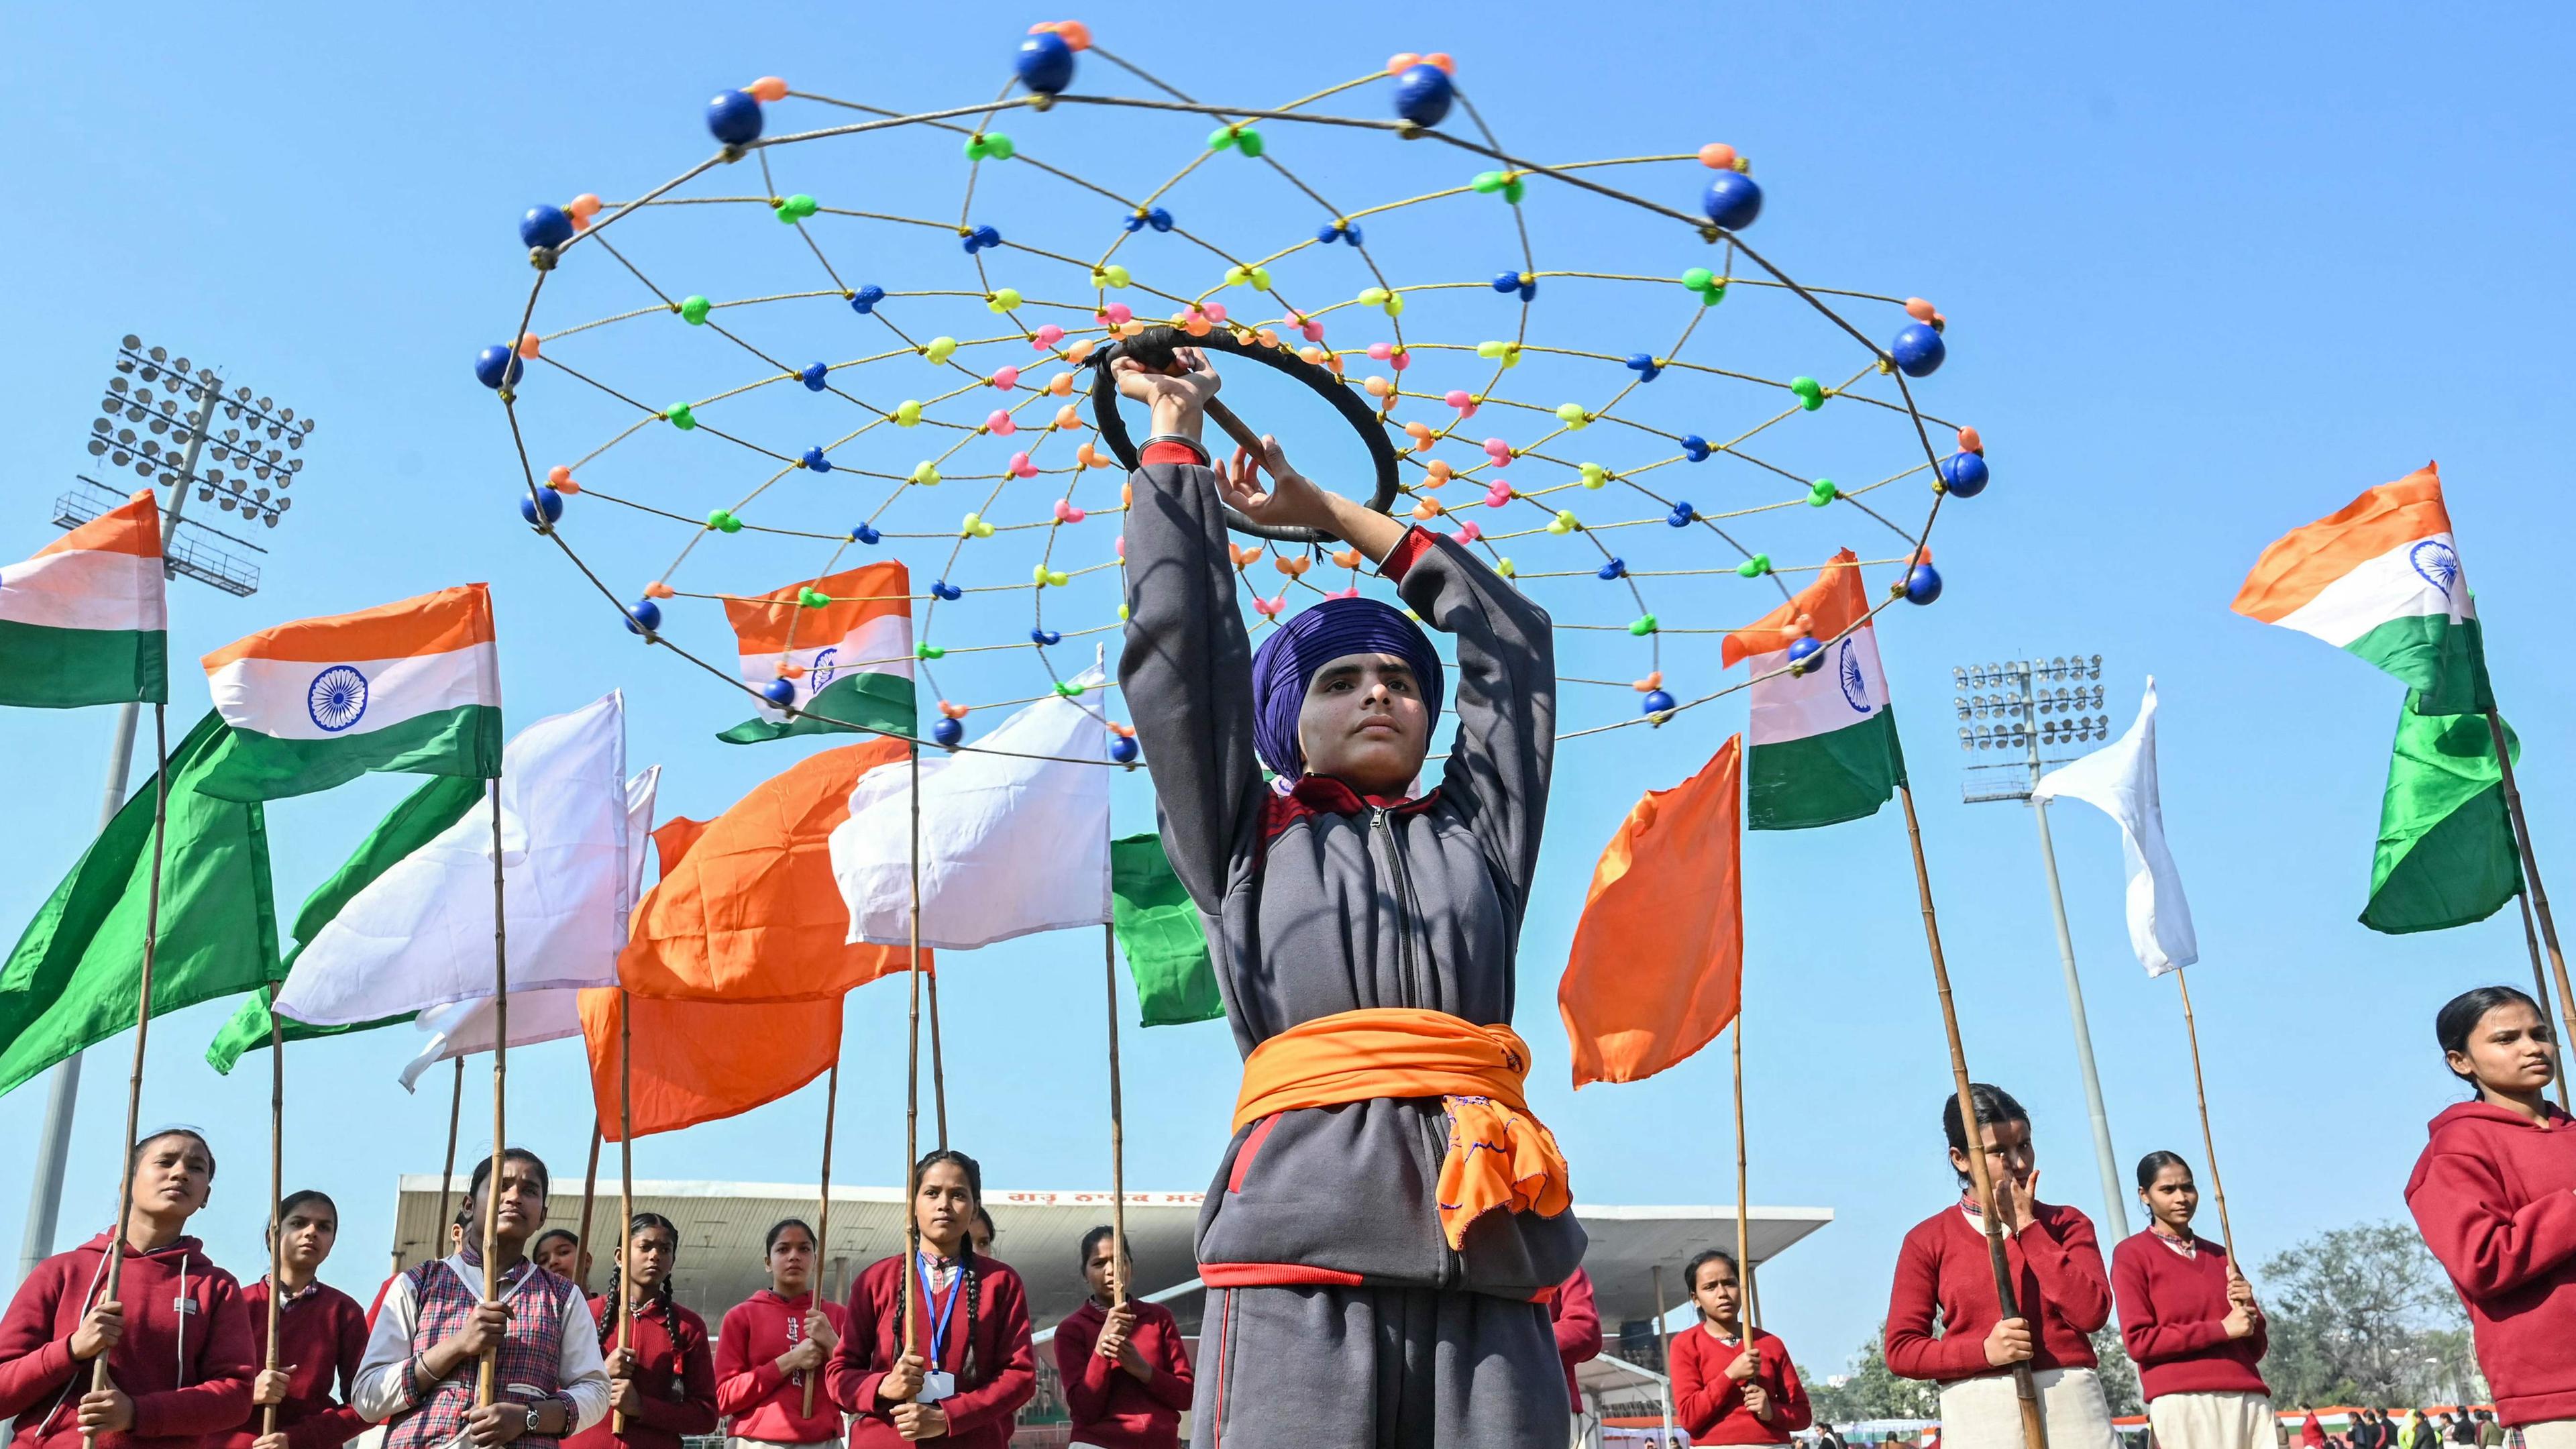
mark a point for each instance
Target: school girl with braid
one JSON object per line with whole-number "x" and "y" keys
{"x": 964, "y": 1376}
{"x": 1379, "y": 1277}
{"x": 664, "y": 1380}
{"x": 773, "y": 1344}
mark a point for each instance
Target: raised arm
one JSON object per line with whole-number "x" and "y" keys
{"x": 1505, "y": 697}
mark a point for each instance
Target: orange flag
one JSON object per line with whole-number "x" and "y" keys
{"x": 1658, "y": 961}
{"x": 696, "y": 1061}
{"x": 749, "y": 912}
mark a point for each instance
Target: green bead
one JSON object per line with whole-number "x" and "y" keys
{"x": 1261, "y": 279}
{"x": 1564, "y": 522}
{"x": 1122, "y": 613}
{"x": 1250, "y": 143}
{"x": 723, "y": 521}
{"x": 1111, "y": 276}
{"x": 929, "y": 651}
{"x": 907, "y": 413}
{"x": 1594, "y": 475}
{"x": 1068, "y": 689}
{"x": 1514, "y": 190}
{"x": 680, "y": 417}
{"x": 1488, "y": 182}
{"x": 1002, "y": 300}
{"x": 1572, "y": 415}
{"x": 1504, "y": 567}
{"x": 1699, "y": 279}
{"x": 925, "y": 475}
{"x": 812, "y": 598}
{"x": 1823, "y": 493}
{"x": 999, "y": 146}
{"x": 1755, "y": 567}
{"x": 1373, "y": 296}
{"x": 1643, "y": 626}
{"x": 693, "y": 310}
{"x": 1811, "y": 393}
{"x": 1492, "y": 351}
{"x": 1220, "y": 138}
{"x": 1713, "y": 295}
{"x": 940, "y": 349}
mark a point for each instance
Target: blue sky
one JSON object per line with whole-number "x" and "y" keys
{"x": 2209, "y": 273}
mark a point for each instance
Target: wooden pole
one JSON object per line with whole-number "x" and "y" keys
{"x": 2034, "y": 1425}
{"x": 1743, "y": 1214}
{"x": 2540, "y": 985}
{"x": 276, "y": 1195}
{"x": 447, "y": 1173}
{"x": 589, "y": 1194}
{"x": 823, "y": 1209}
{"x": 912, "y": 1091}
{"x": 2208, "y": 1143}
{"x": 142, "y": 1029}
{"x": 625, "y": 1185}
{"x": 1117, "y": 1132}
{"x": 2531, "y": 876}
{"x": 938, "y": 1067}
{"x": 485, "y": 1376}
{"x": 1663, "y": 1354}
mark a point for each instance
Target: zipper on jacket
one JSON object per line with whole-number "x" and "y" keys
{"x": 1411, "y": 983}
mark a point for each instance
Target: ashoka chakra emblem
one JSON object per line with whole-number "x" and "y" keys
{"x": 338, "y": 698}
{"x": 2436, "y": 562}
{"x": 824, "y": 665}
{"x": 1855, "y": 684}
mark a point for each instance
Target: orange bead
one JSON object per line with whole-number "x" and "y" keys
{"x": 657, "y": 590}
{"x": 1266, "y": 337}
{"x": 768, "y": 88}
{"x": 527, "y": 344}
{"x": 1420, "y": 434}
{"x": 558, "y": 475}
{"x": 1077, "y": 354}
{"x": 1067, "y": 419}
{"x": 1132, "y": 327}
{"x": 1717, "y": 156}
{"x": 1441, "y": 59}
{"x": 1969, "y": 442}
{"x": 1126, "y": 492}
{"x": 791, "y": 671}
{"x": 586, "y": 204}
{"x": 1378, "y": 386}
{"x": 1402, "y": 61}
{"x": 1073, "y": 32}
{"x": 566, "y": 486}
{"x": 1436, "y": 473}
{"x": 1087, "y": 455}
{"x": 1428, "y": 509}
{"x": 1348, "y": 558}
{"x": 1061, "y": 384}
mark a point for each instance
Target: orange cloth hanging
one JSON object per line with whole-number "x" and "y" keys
{"x": 1657, "y": 967}
{"x": 697, "y": 1061}
{"x": 1499, "y": 1155}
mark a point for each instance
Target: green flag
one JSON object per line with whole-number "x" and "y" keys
{"x": 74, "y": 979}
{"x": 414, "y": 823}
{"x": 2446, "y": 855}
{"x": 1158, "y": 927}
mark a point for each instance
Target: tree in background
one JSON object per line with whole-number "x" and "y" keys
{"x": 2119, "y": 1376}
{"x": 2364, "y": 1315}
{"x": 1870, "y": 1390}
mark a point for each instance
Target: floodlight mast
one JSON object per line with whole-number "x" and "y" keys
{"x": 2026, "y": 705}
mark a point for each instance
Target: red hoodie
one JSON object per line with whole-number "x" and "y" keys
{"x": 1576, "y": 1318}
{"x": 321, "y": 1336}
{"x": 982, "y": 1413}
{"x": 2173, "y": 1320}
{"x": 2495, "y": 1197}
{"x": 188, "y": 1369}
{"x": 763, "y": 1402}
{"x": 2057, "y": 1280}
{"x": 1109, "y": 1406}
{"x": 674, "y": 1371}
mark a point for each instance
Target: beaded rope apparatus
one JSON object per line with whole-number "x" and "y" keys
{"x": 998, "y": 376}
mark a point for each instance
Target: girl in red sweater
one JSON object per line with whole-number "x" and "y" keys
{"x": 2059, "y": 1286}
{"x": 968, "y": 1366}
{"x": 1126, "y": 1376}
{"x": 2190, "y": 1322}
{"x": 321, "y": 1337}
{"x": 1732, "y": 1385}
{"x": 2495, "y": 1196}
{"x": 178, "y": 1346}
{"x": 664, "y": 1381}
{"x": 773, "y": 1344}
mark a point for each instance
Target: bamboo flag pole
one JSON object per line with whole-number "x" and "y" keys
{"x": 276, "y": 1195}
{"x": 912, "y": 1092}
{"x": 446, "y": 1174}
{"x": 2539, "y": 981}
{"x": 485, "y": 1376}
{"x": 2538, "y": 893}
{"x": 1743, "y": 1214}
{"x": 625, "y": 1185}
{"x": 2034, "y": 1426}
{"x": 589, "y": 1195}
{"x": 2208, "y": 1143}
{"x": 142, "y": 1029}
{"x": 1117, "y": 1133}
{"x": 823, "y": 1208}
{"x": 1663, "y": 1353}
{"x": 938, "y": 1066}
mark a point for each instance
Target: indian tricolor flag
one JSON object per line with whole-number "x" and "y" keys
{"x": 1820, "y": 747}
{"x": 83, "y": 621}
{"x": 843, "y": 643}
{"x": 412, "y": 687}
{"x": 2382, "y": 579}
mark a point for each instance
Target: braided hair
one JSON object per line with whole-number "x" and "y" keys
{"x": 970, "y": 1282}
{"x": 662, "y": 1300}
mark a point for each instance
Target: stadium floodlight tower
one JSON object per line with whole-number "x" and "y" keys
{"x": 157, "y": 415}
{"x": 2017, "y": 717}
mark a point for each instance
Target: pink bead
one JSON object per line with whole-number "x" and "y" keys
{"x": 1122, "y": 548}
{"x": 1213, "y": 311}
{"x": 1269, "y": 608}
{"x": 999, "y": 424}
{"x": 1352, "y": 592}
{"x": 1918, "y": 309}
{"x": 1117, "y": 313}
{"x": 1462, "y": 400}
{"x": 1310, "y": 329}
{"x": 1067, "y": 513}
{"x": 1006, "y": 378}
{"x": 1499, "y": 451}
{"x": 1498, "y": 495}
{"x": 1021, "y": 467}
{"x": 1402, "y": 359}
{"x": 1047, "y": 337}
{"x": 1381, "y": 351}
{"x": 1469, "y": 533}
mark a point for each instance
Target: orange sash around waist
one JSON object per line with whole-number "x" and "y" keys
{"x": 1499, "y": 1155}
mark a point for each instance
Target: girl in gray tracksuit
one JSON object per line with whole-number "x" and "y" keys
{"x": 1339, "y": 1315}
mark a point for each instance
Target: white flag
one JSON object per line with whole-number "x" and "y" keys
{"x": 1009, "y": 845}
{"x": 2120, "y": 781}
{"x": 420, "y": 935}
{"x": 462, "y": 1028}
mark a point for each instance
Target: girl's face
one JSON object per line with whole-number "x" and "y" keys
{"x": 2009, "y": 1154}
{"x": 1717, "y": 1292}
{"x": 649, "y": 1257}
{"x": 945, "y": 1206}
{"x": 560, "y": 1255}
{"x": 173, "y": 1176}
{"x": 2173, "y": 1197}
{"x": 2511, "y": 1053}
{"x": 307, "y": 1235}
{"x": 1365, "y": 723}
{"x": 791, "y": 1262}
{"x": 1097, "y": 1270}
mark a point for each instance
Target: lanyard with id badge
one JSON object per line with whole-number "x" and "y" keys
{"x": 938, "y": 1383}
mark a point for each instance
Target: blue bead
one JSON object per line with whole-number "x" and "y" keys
{"x": 815, "y": 460}
{"x": 865, "y": 533}
{"x": 1682, "y": 516}
{"x": 813, "y": 373}
{"x": 1422, "y": 95}
{"x": 1351, "y": 234}
{"x": 1802, "y": 650}
{"x": 1045, "y": 63}
{"x": 545, "y": 226}
{"x": 1133, "y": 223}
{"x": 1644, "y": 365}
{"x": 1732, "y": 201}
{"x": 1045, "y": 636}
{"x": 1695, "y": 447}
{"x": 982, "y": 238}
{"x": 1529, "y": 291}
{"x": 1328, "y": 233}
{"x": 733, "y": 118}
{"x": 1919, "y": 350}
{"x": 1123, "y": 750}
{"x": 780, "y": 692}
{"x": 497, "y": 367}
{"x": 942, "y": 589}
{"x": 1507, "y": 281}
{"x": 1657, "y": 702}
{"x": 948, "y": 732}
{"x": 647, "y": 616}
{"x": 867, "y": 299}
{"x": 1159, "y": 219}
{"x": 1616, "y": 568}
{"x": 1964, "y": 474}
{"x": 1923, "y": 585}
{"x": 544, "y": 508}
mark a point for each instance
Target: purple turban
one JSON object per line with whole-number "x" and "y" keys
{"x": 1287, "y": 661}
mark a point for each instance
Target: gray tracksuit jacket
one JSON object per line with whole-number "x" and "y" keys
{"x": 1320, "y": 902}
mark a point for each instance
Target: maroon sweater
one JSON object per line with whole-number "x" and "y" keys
{"x": 2493, "y": 1196}
{"x": 675, "y": 1371}
{"x": 321, "y": 1336}
{"x": 1110, "y": 1408}
{"x": 2173, "y": 1313}
{"x": 762, "y": 1401}
{"x": 1576, "y": 1317}
{"x": 188, "y": 1371}
{"x": 1943, "y": 1267}
{"x": 1710, "y": 1406}
{"x": 981, "y": 1414}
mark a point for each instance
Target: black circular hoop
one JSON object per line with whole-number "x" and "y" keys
{"x": 1154, "y": 341}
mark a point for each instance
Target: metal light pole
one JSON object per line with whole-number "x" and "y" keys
{"x": 2043, "y": 719}
{"x": 149, "y": 387}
